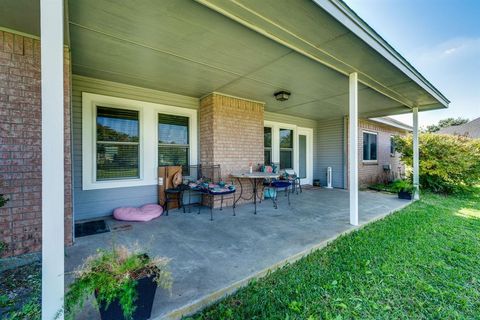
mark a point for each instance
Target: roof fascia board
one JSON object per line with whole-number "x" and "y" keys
{"x": 392, "y": 123}
{"x": 341, "y": 12}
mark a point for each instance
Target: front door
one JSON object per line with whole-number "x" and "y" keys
{"x": 305, "y": 155}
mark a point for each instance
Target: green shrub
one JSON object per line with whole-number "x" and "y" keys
{"x": 3, "y": 200}
{"x": 447, "y": 163}
{"x": 3, "y": 245}
{"x": 113, "y": 274}
{"x": 401, "y": 186}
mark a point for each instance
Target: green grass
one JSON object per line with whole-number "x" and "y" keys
{"x": 420, "y": 263}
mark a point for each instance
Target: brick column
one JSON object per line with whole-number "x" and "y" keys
{"x": 20, "y": 144}
{"x": 231, "y": 133}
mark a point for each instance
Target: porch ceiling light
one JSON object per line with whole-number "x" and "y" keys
{"x": 282, "y": 95}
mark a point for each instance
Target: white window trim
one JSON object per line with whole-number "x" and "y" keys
{"x": 276, "y": 126}
{"x": 369, "y": 161}
{"x": 148, "y": 142}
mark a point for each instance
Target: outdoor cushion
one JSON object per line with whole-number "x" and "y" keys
{"x": 144, "y": 213}
{"x": 280, "y": 184}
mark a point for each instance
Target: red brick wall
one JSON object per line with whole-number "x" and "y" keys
{"x": 371, "y": 173}
{"x": 20, "y": 144}
{"x": 231, "y": 134}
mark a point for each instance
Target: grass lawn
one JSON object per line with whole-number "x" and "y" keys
{"x": 422, "y": 262}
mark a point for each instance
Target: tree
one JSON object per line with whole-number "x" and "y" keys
{"x": 446, "y": 123}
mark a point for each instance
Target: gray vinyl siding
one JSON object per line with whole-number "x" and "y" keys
{"x": 329, "y": 151}
{"x": 89, "y": 204}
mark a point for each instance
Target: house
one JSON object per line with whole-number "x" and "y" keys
{"x": 121, "y": 88}
{"x": 470, "y": 129}
{"x": 380, "y": 162}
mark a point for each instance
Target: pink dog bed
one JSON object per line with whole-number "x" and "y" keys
{"x": 144, "y": 213}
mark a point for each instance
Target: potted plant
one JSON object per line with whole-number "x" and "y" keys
{"x": 403, "y": 188}
{"x": 123, "y": 282}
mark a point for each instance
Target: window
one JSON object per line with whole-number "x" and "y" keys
{"x": 369, "y": 146}
{"x": 392, "y": 146}
{"x": 267, "y": 144}
{"x": 173, "y": 141}
{"x": 117, "y": 143}
{"x": 286, "y": 149}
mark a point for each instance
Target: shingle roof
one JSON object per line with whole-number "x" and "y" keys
{"x": 470, "y": 129}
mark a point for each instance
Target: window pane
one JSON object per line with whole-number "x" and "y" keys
{"x": 286, "y": 138}
{"x": 116, "y": 161}
{"x": 392, "y": 146}
{"x": 373, "y": 147}
{"x": 117, "y": 125}
{"x": 172, "y": 155}
{"x": 369, "y": 146}
{"x": 172, "y": 129}
{"x": 267, "y": 137}
{"x": 286, "y": 159}
{"x": 366, "y": 151}
{"x": 268, "y": 156}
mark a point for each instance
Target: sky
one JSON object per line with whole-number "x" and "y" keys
{"x": 441, "y": 39}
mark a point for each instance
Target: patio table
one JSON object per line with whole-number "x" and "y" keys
{"x": 255, "y": 179}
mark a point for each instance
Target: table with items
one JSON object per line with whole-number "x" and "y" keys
{"x": 256, "y": 179}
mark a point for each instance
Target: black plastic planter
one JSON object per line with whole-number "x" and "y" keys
{"x": 146, "y": 288}
{"x": 405, "y": 195}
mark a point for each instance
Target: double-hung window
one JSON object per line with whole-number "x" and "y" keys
{"x": 286, "y": 149}
{"x": 117, "y": 144}
{"x": 267, "y": 144}
{"x": 369, "y": 146}
{"x": 173, "y": 140}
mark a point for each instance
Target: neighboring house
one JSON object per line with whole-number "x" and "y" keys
{"x": 470, "y": 129}
{"x": 193, "y": 86}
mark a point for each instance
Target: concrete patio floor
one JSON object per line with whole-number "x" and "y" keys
{"x": 213, "y": 258}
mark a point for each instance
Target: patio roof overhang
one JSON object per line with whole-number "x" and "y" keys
{"x": 244, "y": 48}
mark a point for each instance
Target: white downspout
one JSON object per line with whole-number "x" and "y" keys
{"x": 51, "y": 27}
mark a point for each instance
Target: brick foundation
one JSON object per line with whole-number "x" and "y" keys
{"x": 231, "y": 134}
{"x": 20, "y": 144}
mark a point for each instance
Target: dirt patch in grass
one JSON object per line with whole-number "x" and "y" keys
{"x": 20, "y": 292}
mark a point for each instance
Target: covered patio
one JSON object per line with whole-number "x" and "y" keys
{"x": 212, "y": 258}
{"x": 214, "y": 66}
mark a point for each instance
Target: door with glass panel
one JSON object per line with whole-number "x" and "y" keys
{"x": 305, "y": 155}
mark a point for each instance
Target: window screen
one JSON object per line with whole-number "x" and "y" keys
{"x": 369, "y": 146}
{"x": 117, "y": 144}
{"x": 286, "y": 149}
{"x": 173, "y": 140}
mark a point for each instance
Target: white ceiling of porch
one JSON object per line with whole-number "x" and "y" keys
{"x": 183, "y": 47}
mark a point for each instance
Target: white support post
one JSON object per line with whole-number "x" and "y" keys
{"x": 416, "y": 161}
{"x": 51, "y": 41}
{"x": 353, "y": 147}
